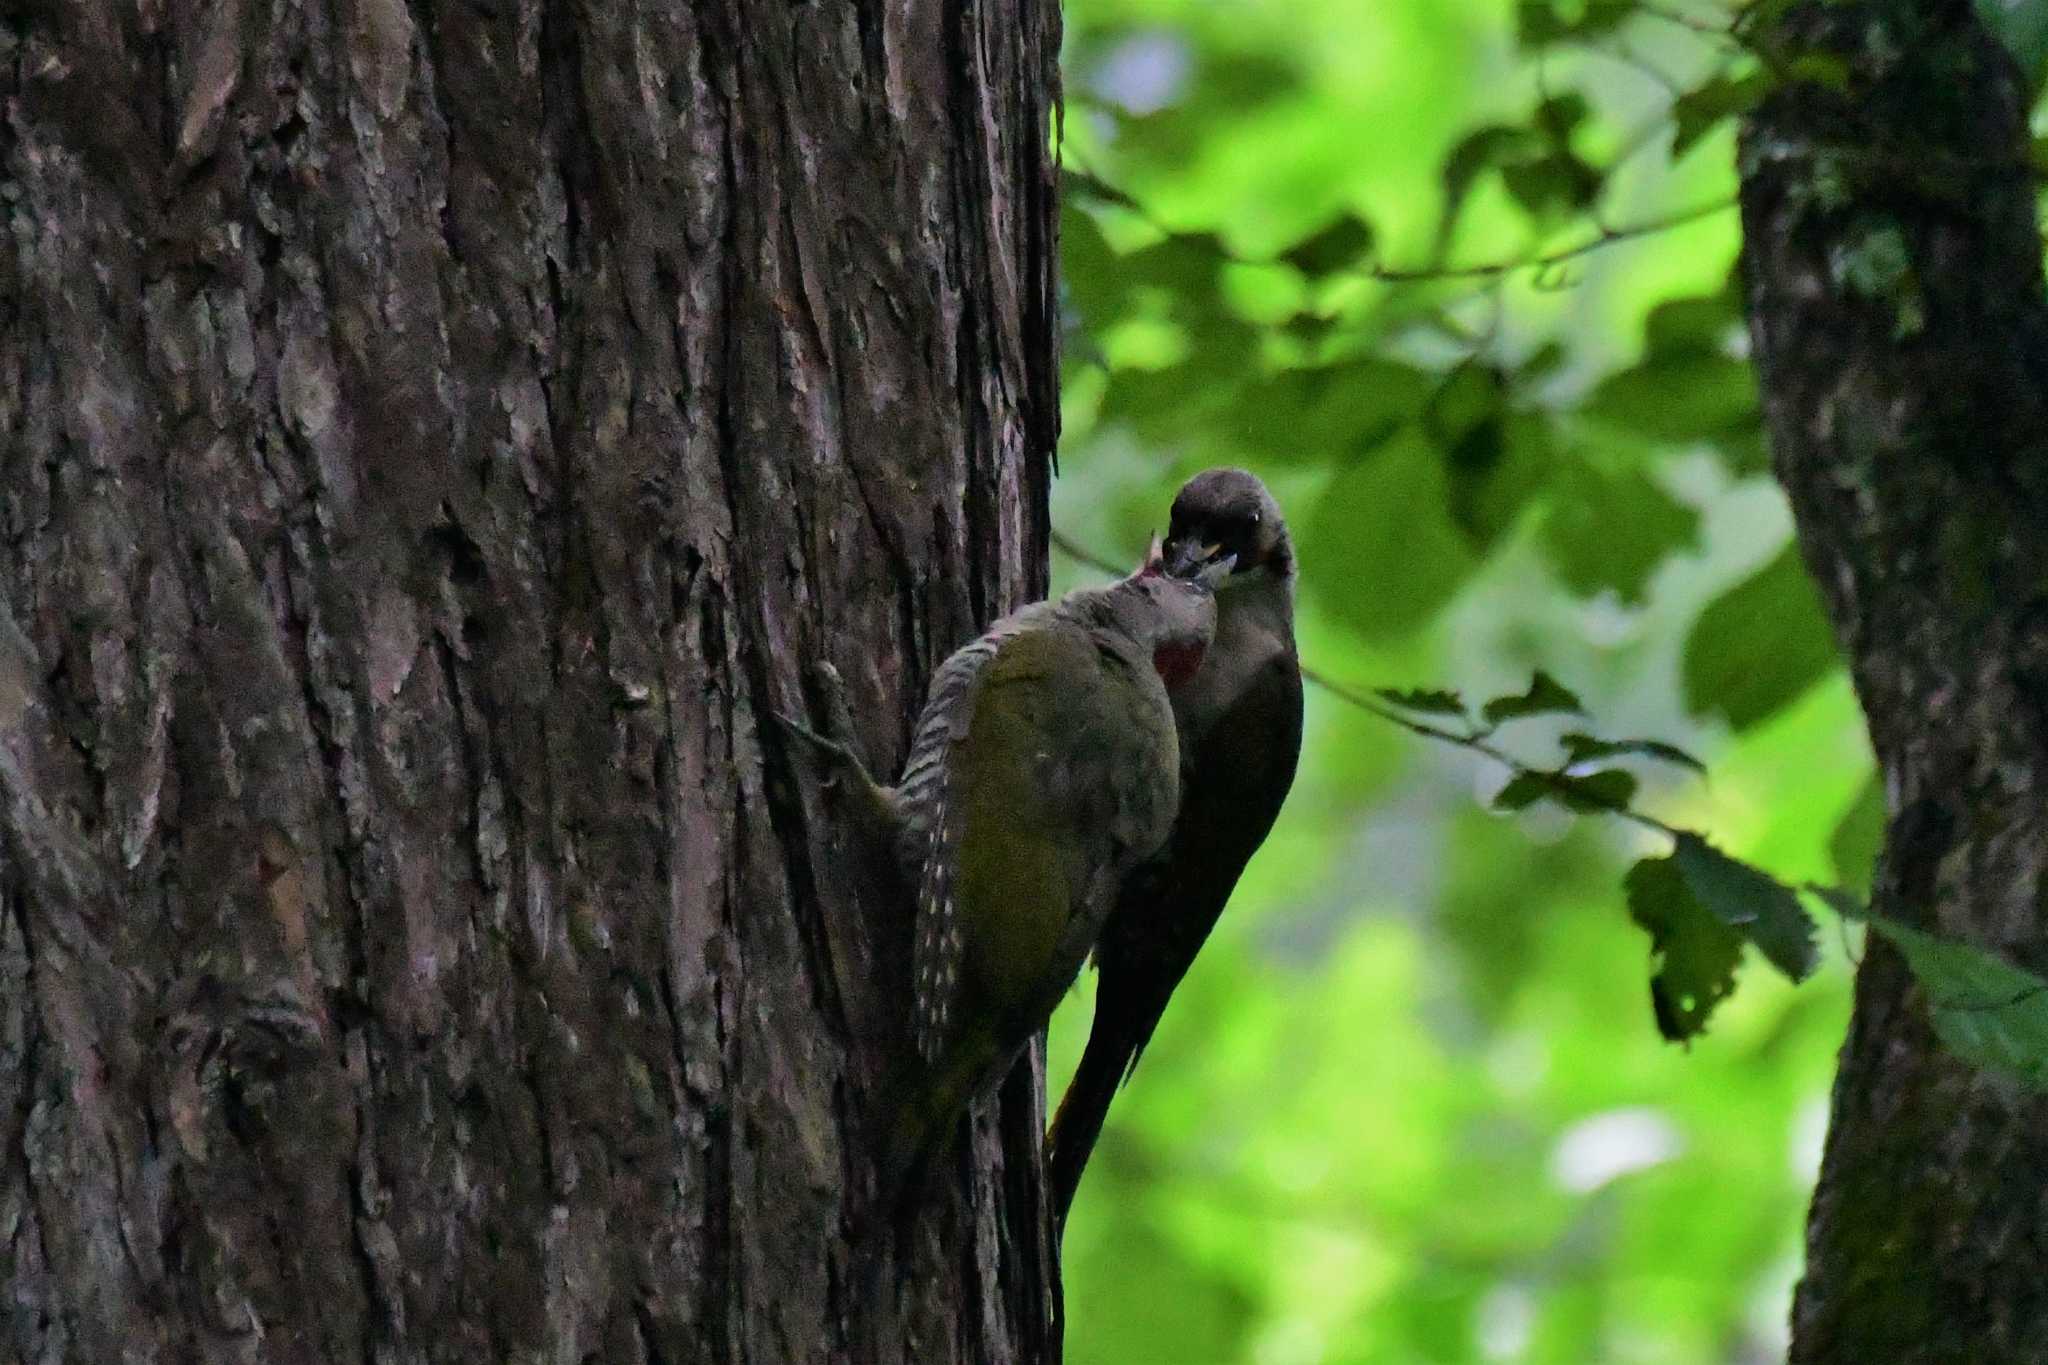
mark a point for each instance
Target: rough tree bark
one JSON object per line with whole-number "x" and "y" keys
{"x": 1898, "y": 319}
{"x": 433, "y": 435}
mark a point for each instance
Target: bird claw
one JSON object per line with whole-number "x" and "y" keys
{"x": 837, "y": 742}
{"x": 838, "y": 757}
{"x": 832, "y": 691}
{"x": 872, "y": 806}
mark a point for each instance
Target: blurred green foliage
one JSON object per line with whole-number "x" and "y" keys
{"x": 1456, "y": 280}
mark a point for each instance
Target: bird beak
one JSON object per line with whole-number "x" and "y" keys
{"x": 1152, "y": 562}
{"x": 1185, "y": 558}
{"x": 1214, "y": 571}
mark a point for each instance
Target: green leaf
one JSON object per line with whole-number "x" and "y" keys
{"x": 1497, "y": 459}
{"x": 1695, "y": 322}
{"x": 1310, "y": 329}
{"x": 1845, "y": 903}
{"x": 1753, "y": 903}
{"x": 1186, "y": 264}
{"x": 1759, "y": 646}
{"x": 1095, "y": 285}
{"x": 1611, "y": 531}
{"x": 1338, "y": 246}
{"x": 1079, "y": 184}
{"x": 1249, "y": 81}
{"x": 1478, "y": 152}
{"x": 1496, "y": 472}
{"x": 1522, "y": 791}
{"x": 1379, "y": 551}
{"x": 1425, "y": 701}
{"x": 1698, "y": 111}
{"x": 1547, "y": 359}
{"x": 1469, "y": 395}
{"x": 1604, "y": 792}
{"x": 1315, "y": 415}
{"x": 1609, "y": 790}
{"x": 1163, "y": 405}
{"x": 1545, "y": 694}
{"x": 2022, "y": 26}
{"x": 1859, "y": 835}
{"x": 1986, "y": 1010}
{"x": 1583, "y": 747}
{"x": 1681, "y": 398}
{"x": 1690, "y": 388}
{"x": 1561, "y": 114}
{"x": 1558, "y": 183}
{"x": 1539, "y": 23}
{"x": 1698, "y": 954}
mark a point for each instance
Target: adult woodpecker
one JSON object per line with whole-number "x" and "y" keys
{"x": 1044, "y": 767}
{"x": 1240, "y": 731}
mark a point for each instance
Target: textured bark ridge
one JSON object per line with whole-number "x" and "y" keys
{"x": 433, "y": 435}
{"x": 1897, "y": 313}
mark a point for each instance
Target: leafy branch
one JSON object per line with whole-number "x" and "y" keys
{"x": 1543, "y": 262}
{"x": 1699, "y": 905}
{"x": 1985, "y": 1009}
{"x": 1336, "y": 251}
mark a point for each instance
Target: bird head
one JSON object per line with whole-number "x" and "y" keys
{"x": 1227, "y": 515}
{"x": 1172, "y": 615}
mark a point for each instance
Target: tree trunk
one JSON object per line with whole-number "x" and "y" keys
{"x": 1897, "y": 315}
{"x": 436, "y": 434}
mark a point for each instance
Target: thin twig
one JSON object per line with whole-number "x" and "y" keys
{"x": 1479, "y": 744}
{"x": 1706, "y": 29}
{"x": 1605, "y": 237}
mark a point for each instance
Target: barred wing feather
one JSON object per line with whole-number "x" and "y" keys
{"x": 934, "y": 821}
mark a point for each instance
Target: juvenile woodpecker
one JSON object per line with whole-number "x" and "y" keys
{"x": 1239, "y": 719}
{"x": 1044, "y": 767}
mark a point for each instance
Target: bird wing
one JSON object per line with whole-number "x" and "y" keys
{"x": 934, "y": 819}
{"x": 1055, "y": 758}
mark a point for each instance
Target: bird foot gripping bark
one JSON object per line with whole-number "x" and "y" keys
{"x": 874, "y": 808}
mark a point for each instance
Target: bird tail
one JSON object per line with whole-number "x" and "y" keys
{"x": 902, "y": 1133}
{"x": 1105, "y": 1063}
{"x": 899, "y": 1137}
{"x": 921, "y": 1107}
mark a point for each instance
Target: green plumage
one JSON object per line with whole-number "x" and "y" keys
{"x": 1068, "y": 773}
{"x": 1044, "y": 767}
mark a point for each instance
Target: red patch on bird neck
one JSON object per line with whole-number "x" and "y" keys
{"x": 1177, "y": 663}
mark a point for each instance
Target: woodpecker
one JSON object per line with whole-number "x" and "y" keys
{"x": 1239, "y": 721}
{"x": 1044, "y": 767}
